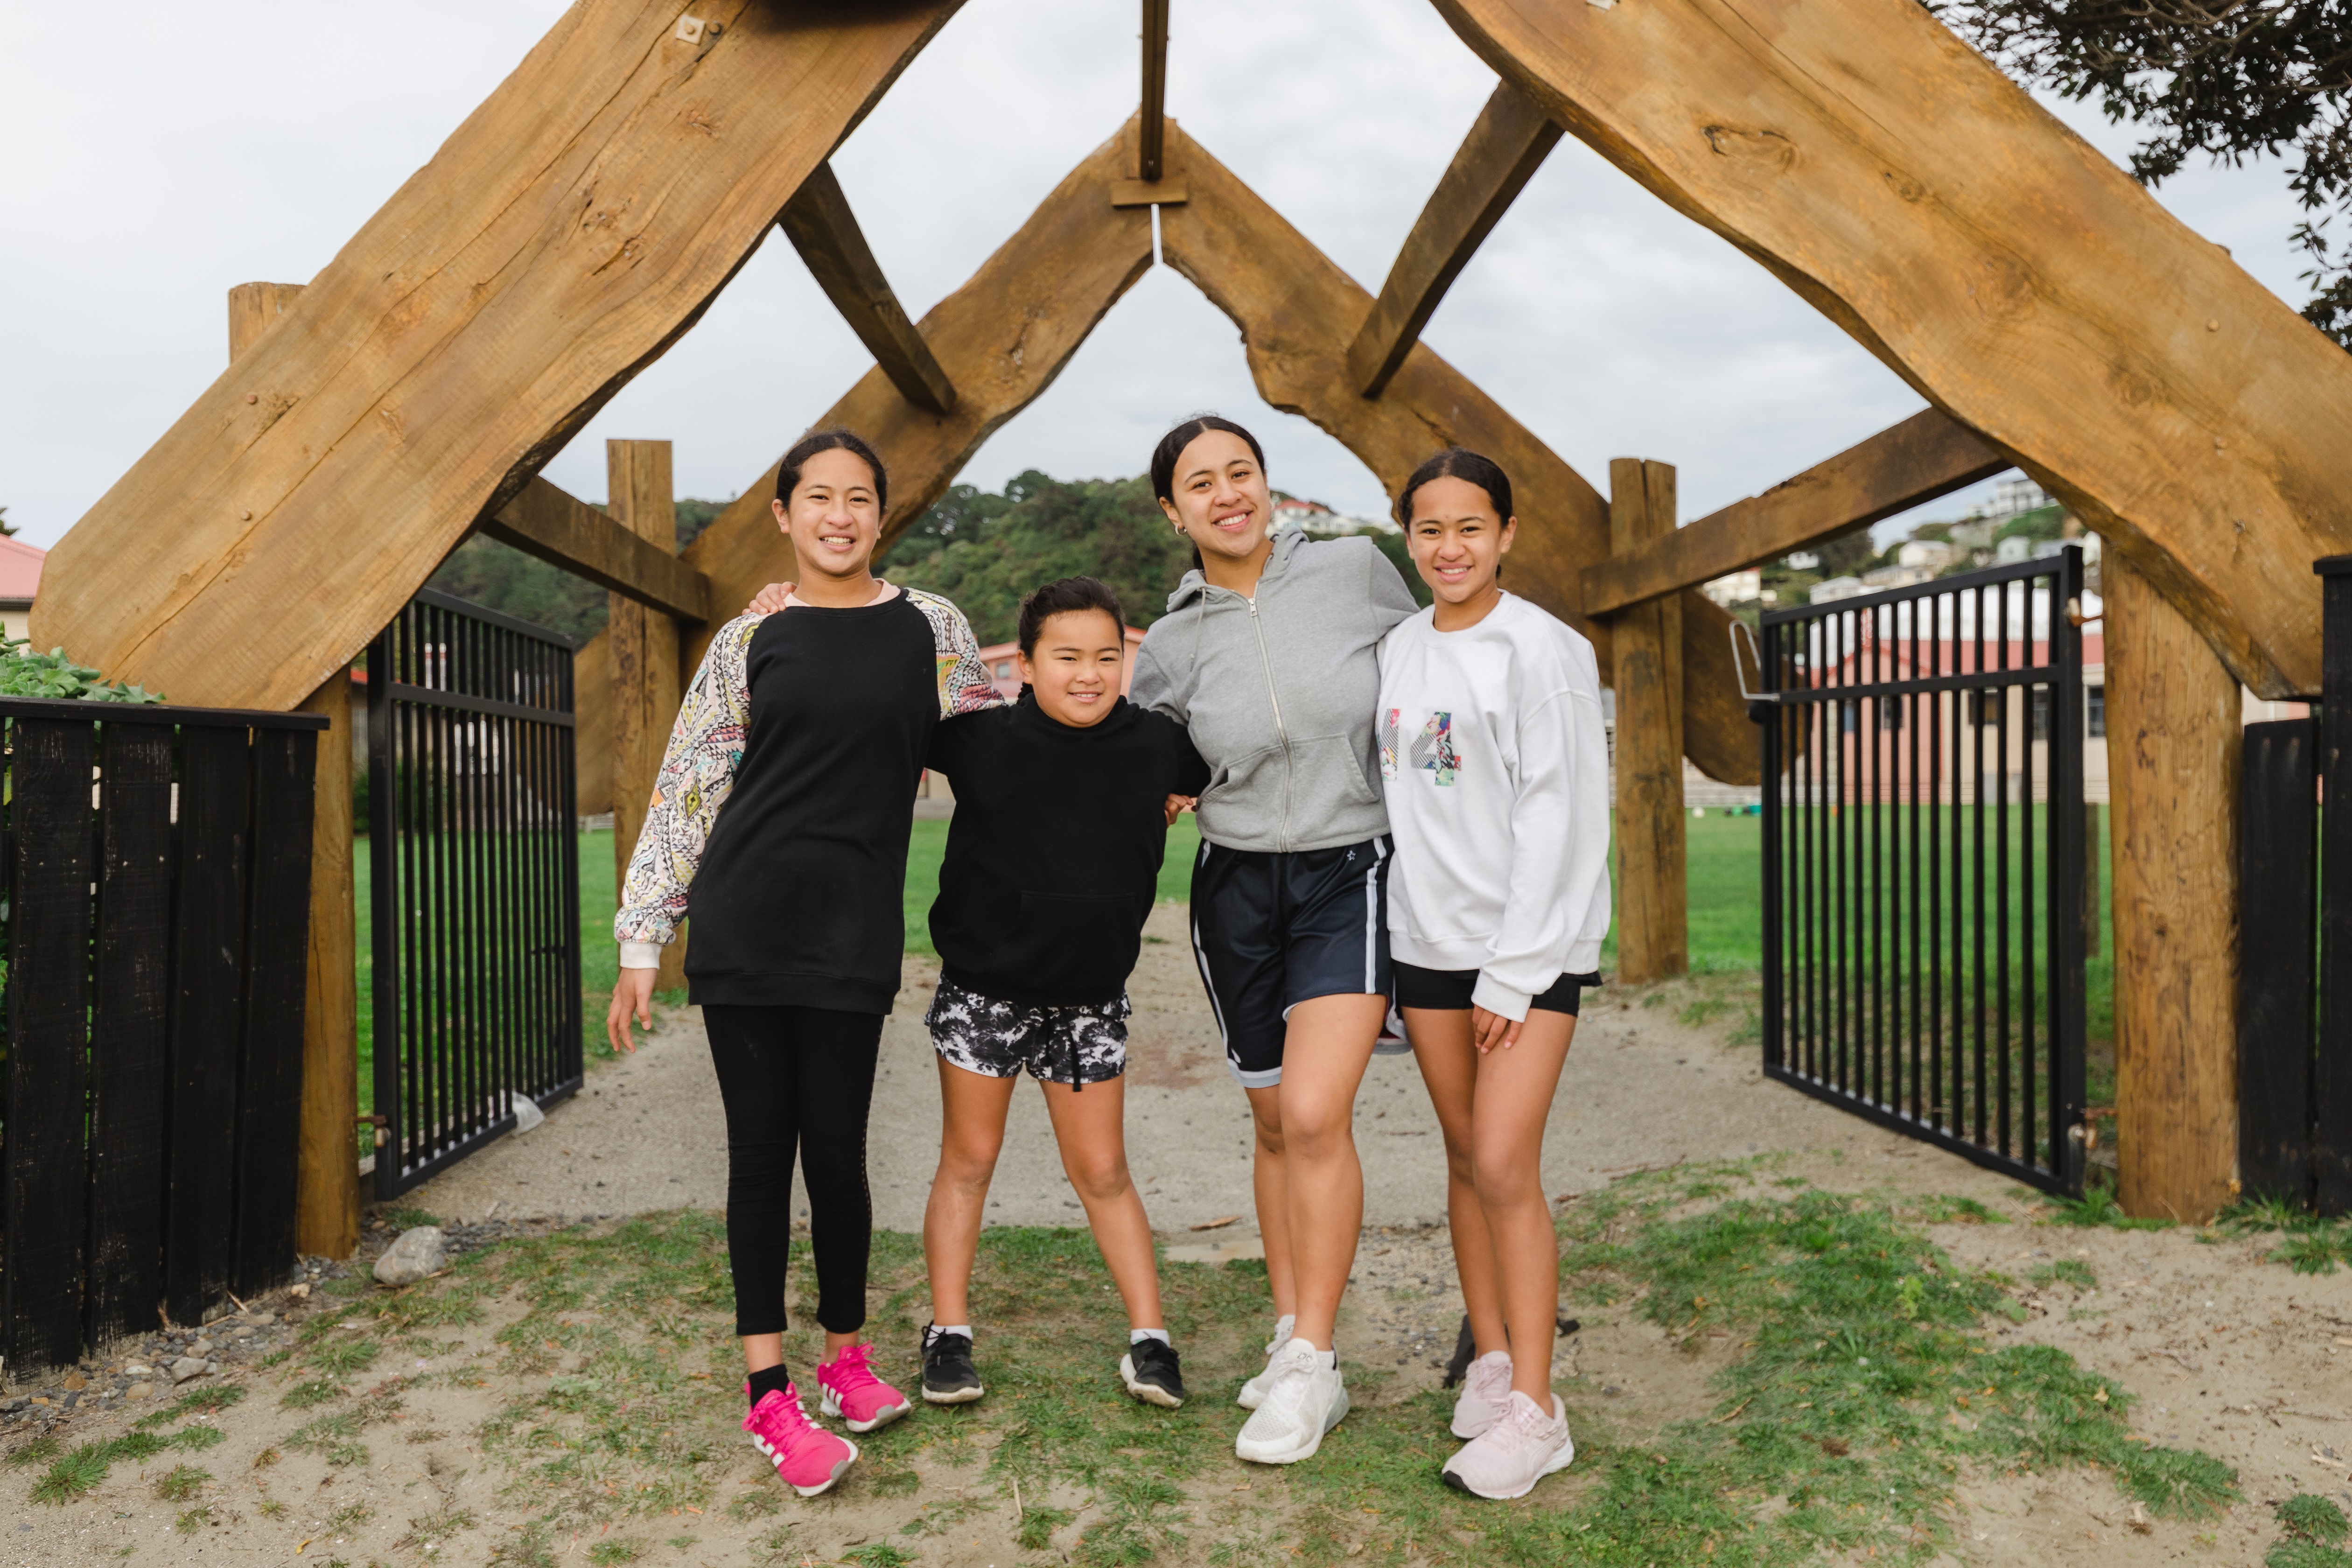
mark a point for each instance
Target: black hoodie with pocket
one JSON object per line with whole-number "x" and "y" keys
{"x": 1053, "y": 853}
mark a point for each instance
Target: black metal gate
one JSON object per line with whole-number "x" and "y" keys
{"x": 1923, "y": 861}
{"x": 473, "y": 855}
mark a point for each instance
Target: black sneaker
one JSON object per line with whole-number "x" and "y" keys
{"x": 949, "y": 1376}
{"x": 1151, "y": 1374}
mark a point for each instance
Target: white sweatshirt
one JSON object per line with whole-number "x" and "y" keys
{"x": 1496, "y": 772}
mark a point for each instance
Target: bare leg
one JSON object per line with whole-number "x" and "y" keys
{"x": 1270, "y": 1184}
{"x": 971, "y": 1132}
{"x": 1449, "y": 1069}
{"x": 1324, "y": 1054}
{"x": 1089, "y": 1125}
{"x": 1513, "y": 1100}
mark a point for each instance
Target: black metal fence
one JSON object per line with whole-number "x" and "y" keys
{"x": 474, "y": 861}
{"x": 2295, "y": 965}
{"x": 157, "y": 869}
{"x": 1923, "y": 861}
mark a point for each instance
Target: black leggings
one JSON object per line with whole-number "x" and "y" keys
{"x": 794, "y": 1076}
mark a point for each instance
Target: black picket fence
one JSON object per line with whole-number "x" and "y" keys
{"x": 2295, "y": 970}
{"x": 155, "y": 865}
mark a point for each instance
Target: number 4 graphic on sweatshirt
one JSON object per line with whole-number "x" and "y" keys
{"x": 1433, "y": 749}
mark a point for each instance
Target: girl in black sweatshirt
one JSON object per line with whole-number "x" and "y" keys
{"x": 779, "y": 823}
{"x": 1052, "y": 865}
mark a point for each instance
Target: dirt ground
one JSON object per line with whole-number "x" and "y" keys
{"x": 2226, "y": 1351}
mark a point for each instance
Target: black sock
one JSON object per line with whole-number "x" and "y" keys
{"x": 770, "y": 1380}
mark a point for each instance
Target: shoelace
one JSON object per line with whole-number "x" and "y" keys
{"x": 789, "y": 1422}
{"x": 849, "y": 1373}
{"x": 1290, "y": 1390}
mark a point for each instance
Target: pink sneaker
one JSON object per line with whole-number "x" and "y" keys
{"x": 808, "y": 1458}
{"x": 852, "y": 1392}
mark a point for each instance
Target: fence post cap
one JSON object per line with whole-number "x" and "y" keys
{"x": 2333, "y": 566}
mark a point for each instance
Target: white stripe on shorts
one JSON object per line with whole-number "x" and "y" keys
{"x": 1372, "y": 921}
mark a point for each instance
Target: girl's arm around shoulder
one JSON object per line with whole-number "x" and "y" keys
{"x": 1154, "y": 688}
{"x": 965, "y": 686}
{"x": 697, "y": 772}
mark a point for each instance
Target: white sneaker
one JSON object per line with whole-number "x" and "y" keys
{"x": 1485, "y": 1394}
{"x": 1515, "y": 1453}
{"x": 1253, "y": 1393}
{"x": 1304, "y": 1399}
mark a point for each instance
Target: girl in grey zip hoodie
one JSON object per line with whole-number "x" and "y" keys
{"x": 1269, "y": 655}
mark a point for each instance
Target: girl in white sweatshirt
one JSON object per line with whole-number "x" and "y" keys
{"x": 1496, "y": 769}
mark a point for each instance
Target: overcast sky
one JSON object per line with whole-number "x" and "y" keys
{"x": 157, "y": 155}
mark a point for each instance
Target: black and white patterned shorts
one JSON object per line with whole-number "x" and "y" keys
{"x": 1076, "y": 1045}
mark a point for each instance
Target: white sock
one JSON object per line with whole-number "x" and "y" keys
{"x": 1329, "y": 1358}
{"x": 936, "y": 1329}
{"x": 1137, "y": 1336}
{"x": 1282, "y": 1327}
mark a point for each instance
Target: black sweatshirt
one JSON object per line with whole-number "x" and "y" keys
{"x": 798, "y": 898}
{"x": 1053, "y": 853}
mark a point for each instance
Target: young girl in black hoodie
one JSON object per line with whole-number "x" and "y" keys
{"x": 1052, "y": 865}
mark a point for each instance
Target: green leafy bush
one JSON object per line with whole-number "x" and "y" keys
{"x": 23, "y": 673}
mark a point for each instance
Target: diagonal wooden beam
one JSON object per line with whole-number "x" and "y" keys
{"x": 1494, "y": 162}
{"x": 2020, "y": 281}
{"x": 1906, "y": 465}
{"x": 567, "y": 233}
{"x": 1298, "y": 312}
{"x": 1152, "y": 159}
{"x": 818, "y": 222}
{"x": 564, "y": 531}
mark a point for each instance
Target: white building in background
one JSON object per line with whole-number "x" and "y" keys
{"x": 1932, "y": 554}
{"x": 1314, "y": 517}
{"x": 1738, "y": 588}
{"x": 1897, "y": 577}
{"x": 1837, "y": 588}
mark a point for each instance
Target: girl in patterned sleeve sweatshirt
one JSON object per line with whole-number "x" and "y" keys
{"x": 1496, "y": 772}
{"x": 779, "y": 824}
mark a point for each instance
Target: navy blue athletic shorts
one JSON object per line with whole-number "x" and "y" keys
{"x": 1271, "y": 931}
{"x": 1449, "y": 990}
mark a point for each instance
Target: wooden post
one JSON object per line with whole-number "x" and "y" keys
{"x": 327, "y": 1186}
{"x": 2174, "y": 756}
{"x": 645, "y": 657}
{"x": 1653, "y": 920}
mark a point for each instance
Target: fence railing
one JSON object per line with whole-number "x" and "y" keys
{"x": 156, "y": 863}
{"x": 1923, "y": 862}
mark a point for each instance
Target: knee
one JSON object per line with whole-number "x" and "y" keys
{"x": 968, "y": 1166}
{"x": 1098, "y": 1180}
{"x": 1459, "y": 1166}
{"x": 1501, "y": 1177}
{"x": 1269, "y": 1136}
{"x": 1317, "y": 1135}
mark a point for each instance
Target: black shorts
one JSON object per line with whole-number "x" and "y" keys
{"x": 1448, "y": 990}
{"x": 1271, "y": 931}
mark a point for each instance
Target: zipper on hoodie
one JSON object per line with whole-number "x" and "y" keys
{"x": 1289, "y": 769}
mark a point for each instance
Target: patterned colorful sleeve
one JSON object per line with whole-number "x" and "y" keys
{"x": 965, "y": 686}
{"x": 696, "y": 773}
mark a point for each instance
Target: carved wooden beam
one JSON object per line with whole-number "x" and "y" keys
{"x": 1151, "y": 159}
{"x": 2020, "y": 281}
{"x": 564, "y": 531}
{"x": 566, "y": 234}
{"x": 1906, "y": 465}
{"x": 1494, "y": 163}
{"x": 823, "y": 229}
{"x": 1298, "y": 312}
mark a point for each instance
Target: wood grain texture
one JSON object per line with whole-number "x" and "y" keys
{"x": 1151, "y": 153}
{"x": 592, "y": 734}
{"x": 2173, "y": 760}
{"x": 2017, "y": 280}
{"x": 1298, "y": 312}
{"x": 576, "y": 224}
{"x": 1002, "y": 338}
{"x": 1506, "y": 145}
{"x": 1161, "y": 193}
{"x": 1652, "y": 901}
{"x": 643, "y": 658}
{"x": 818, "y": 222}
{"x": 327, "y": 1176}
{"x": 1906, "y": 465}
{"x": 254, "y": 308}
{"x": 565, "y": 532}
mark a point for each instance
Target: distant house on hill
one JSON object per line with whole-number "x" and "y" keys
{"x": 20, "y": 579}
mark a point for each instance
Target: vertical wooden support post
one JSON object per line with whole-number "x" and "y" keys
{"x": 2174, "y": 762}
{"x": 327, "y": 1184}
{"x": 1652, "y": 919}
{"x": 645, "y": 652}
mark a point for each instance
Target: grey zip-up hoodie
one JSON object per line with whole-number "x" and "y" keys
{"x": 1280, "y": 690}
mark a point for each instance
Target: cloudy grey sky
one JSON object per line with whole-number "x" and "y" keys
{"x": 158, "y": 154}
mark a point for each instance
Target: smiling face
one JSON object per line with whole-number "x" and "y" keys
{"x": 1076, "y": 667}
{"x": 835, "y": 519}
{"x": 1221, "y": 501}
{"x": 1458, "y": 544}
